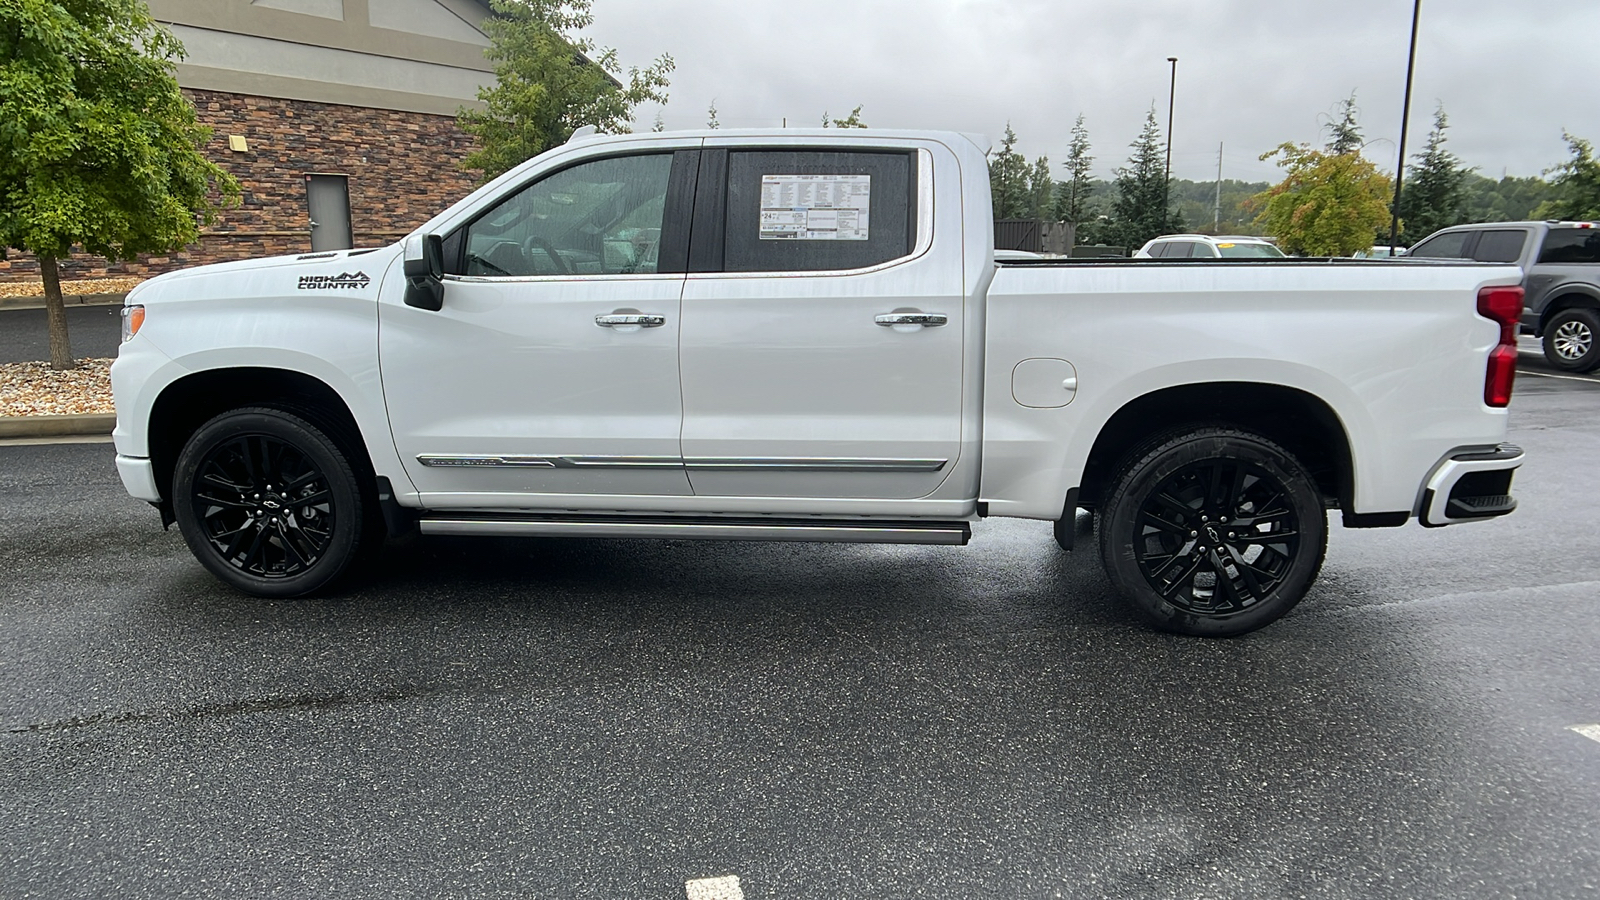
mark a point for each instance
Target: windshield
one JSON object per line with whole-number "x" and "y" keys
{"x": 1251, "y": 250}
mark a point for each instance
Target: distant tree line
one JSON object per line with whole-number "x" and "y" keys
{"x": 1331, "y": 201}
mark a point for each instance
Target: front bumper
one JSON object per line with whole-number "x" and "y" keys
{"x": 139, "y": 477}
{"x": 1471, "y": 485}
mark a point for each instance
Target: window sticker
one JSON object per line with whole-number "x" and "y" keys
{"x": 815, "y": 207}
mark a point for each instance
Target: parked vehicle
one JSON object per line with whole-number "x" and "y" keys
{"x": 804, "y": 335}
{"x": 1382, "y": 252}
{"x": 1207, "y": 246}
{"x": 1561, "y": 266}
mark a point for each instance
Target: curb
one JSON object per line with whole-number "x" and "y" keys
{"x": 67, "y": 299}
{"x": 57, "y": 426}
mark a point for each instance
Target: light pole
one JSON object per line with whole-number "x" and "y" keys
{"x": 1405, "y": 123}
{"x": 1166, "y": 182}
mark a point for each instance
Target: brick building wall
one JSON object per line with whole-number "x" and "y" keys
{"x": 402, "y": 168}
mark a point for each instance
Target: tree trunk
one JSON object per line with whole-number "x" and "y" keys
{"x": 56, "y": 312}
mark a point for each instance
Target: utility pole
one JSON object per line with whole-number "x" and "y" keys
{"x": 1216, "y": 213}
{"x": 1166, "y": 184}
{"x": 1405, "y": 123}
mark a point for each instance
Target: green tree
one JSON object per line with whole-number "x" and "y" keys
{"x": 1434, "y": 195}
{"x": 1073, "y": 204}
{"x": 549, "y": 83}
{"x": 851, "y": 121}
{"x": 711, "y": 115}
{"x": 1140, "y": 211}
{"x": 1576, "y": 185}
{"x": 1327, "y": 205}
{"x": 1009, "y": 180}
{"x": 1344, "y": 134}
{"x": 1510, "y": 199}
{"x": 1041, "y": 191}
{"x": 98, "y": 147}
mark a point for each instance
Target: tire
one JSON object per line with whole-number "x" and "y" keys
{"x": 1173, "y": 544}
{"x": 269, "y": 503}
{"x": 1570, "y": 340}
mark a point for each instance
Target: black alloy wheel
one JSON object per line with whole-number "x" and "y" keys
{"x": 268, "y": 502}
{"x": 1215, "y": 532}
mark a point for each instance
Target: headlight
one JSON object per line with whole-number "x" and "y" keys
{"x": 132, "y": 321}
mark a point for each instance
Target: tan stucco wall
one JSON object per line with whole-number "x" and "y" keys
{"x": 244, "y": 47}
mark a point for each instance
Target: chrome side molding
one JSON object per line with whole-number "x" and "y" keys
{"x": 550, "y": 462}
{"x": 754, "y": 463}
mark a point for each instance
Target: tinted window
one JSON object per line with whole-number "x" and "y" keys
{"x": 596, "y": 218}
{"x": 1184, "y": 250}
{"x": 1445, "y": 246}
{"x": 1159, "y": 249}
{"x": 1500, "y": 246}
{"x": 1571, "y": 245}
{"x": 815, "y": 210}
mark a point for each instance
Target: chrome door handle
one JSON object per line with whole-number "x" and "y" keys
{"x": 645, "y": 320}
{"x": 931, "y": 320}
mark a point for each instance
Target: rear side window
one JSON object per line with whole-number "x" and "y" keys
{"x": 817, "y": 210}
{"x": 1571, "y": 245}
{"x": 1445, "y": 246}
{"x": 1500, "y": 246}
{"x": 1159, "y": 249}
{"x": 1249, "y": 250}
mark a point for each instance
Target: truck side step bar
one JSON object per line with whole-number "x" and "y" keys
{"x": 715, "y": 528}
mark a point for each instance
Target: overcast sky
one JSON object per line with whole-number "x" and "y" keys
{"x": 1251, "y": 73}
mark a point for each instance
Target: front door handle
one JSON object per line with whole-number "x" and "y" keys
{"x": 930, "y": 320}
{"x": 642, "y": 320}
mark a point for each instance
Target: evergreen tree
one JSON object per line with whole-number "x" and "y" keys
{"x": 1344, "y": 136}
{"x": 711, "y": 115}
{"x": 1075, "y": 191}
{"x": 1139, "y": 211}
{"x": 1576, "y": 185}
{"x": 851, "y": 121}
{"x": 1434, "y": 195}
{"x": 1041, "y": 191}
{"x": 1010, "y": 179}
{"x": 98, "y": 147}
{"x": 549, "y": 83}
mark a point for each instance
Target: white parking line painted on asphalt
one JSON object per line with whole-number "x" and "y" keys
{"x": 724, "y": 888}
{"x": 1592, "y": 732}
{"x": 1562, "y": 377}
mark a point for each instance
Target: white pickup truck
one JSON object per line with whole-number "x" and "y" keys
{"x": 804, "y": 335}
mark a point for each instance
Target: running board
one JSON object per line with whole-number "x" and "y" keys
{"x": 714, "y": 528}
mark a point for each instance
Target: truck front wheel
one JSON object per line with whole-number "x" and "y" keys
{"x": 268, "y": 502}
{"x": 1213, "y": 532}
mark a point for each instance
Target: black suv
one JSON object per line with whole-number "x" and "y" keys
{"x": 1560, "y": 272}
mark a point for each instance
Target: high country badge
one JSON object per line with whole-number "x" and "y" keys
{"x": 334, "y": 282}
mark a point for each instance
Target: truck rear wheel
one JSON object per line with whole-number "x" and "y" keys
{"x": 1213, "y": 532}
{"x": 1570, "y": 340}
{"x": 269, "y": 503}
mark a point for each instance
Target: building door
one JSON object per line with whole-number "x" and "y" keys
{"x": 328, "y": 199}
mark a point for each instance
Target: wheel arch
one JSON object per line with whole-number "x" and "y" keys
{"x": 1300, "y": 422}
{"x": 191, "y": 401}
{"x": 1569, "y": 297}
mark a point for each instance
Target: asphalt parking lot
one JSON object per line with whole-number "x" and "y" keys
{"x": 608, "y": 719}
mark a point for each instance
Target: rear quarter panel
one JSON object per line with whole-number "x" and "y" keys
{"x": 1397, "y": 350}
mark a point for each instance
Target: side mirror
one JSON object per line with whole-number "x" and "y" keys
{"x": 424, "y": 270}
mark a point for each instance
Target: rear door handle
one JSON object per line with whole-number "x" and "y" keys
{"x": 643, "y": 320}
{"x": 931, "y": 320}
